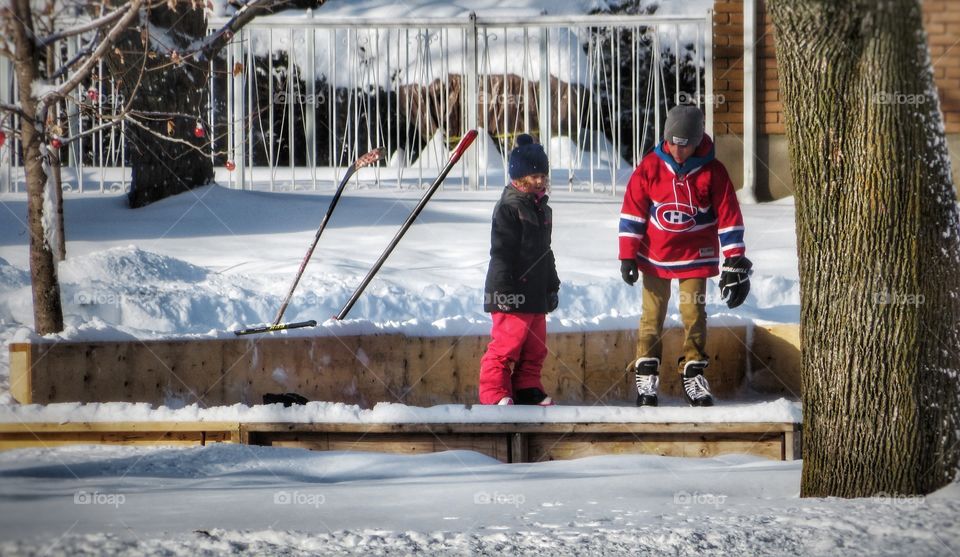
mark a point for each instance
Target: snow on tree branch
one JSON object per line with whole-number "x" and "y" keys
{"x": 209, "y": 45}
{"x": 132, "y": 11}
{"x": 92, "y": 25}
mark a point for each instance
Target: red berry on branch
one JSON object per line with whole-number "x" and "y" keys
{"x": 198, "y": 130}
{"x": 56, "y": 143}
{"x": 230, "y": 165}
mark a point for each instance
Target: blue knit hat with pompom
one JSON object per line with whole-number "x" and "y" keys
{"x": 528, "y": 158}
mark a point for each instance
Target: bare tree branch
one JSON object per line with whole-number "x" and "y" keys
{"x": 115, "y": 121}
{"x": 171, "y": 139}
{"x": 212, "y": 44}
{"x": 133, "y": 10}
{"x": 13, "y": 109}
{"x": 80, "y": 29}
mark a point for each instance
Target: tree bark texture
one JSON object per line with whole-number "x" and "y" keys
{"x": 157, "y": 85}
{"x": 47, "y": 307}
{"x": 879, "y": 247}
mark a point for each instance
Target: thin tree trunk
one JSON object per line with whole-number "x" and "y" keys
{"x": 47, "y": 309}
{"x": 877, "y": 236}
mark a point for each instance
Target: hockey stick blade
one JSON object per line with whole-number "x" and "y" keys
{"x": 271, "y": 328}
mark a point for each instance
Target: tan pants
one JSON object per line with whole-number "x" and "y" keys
{"x": 693, "y": 313}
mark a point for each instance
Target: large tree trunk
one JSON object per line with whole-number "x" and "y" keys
{"x": 47, "y": 308}
{"x": 161, "y": 168}
{"x": 877, "y": 236}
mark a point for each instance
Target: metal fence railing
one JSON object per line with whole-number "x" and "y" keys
{"x": 294, "y": 100}
{"x": 306, "y": 96}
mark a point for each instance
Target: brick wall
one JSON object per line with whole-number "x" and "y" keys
{"x": 941, "y": 19}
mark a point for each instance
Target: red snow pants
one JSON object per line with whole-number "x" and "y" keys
{"x": 515, "y": 355}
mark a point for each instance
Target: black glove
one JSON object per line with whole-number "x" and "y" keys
{"x": 553, "y": 300}
{"x": 735, "y": 280}
{"x": 629, "y": 271}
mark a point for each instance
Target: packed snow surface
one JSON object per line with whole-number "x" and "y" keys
{"x": 235, "y": 499}
{"x": 781, "y": 410}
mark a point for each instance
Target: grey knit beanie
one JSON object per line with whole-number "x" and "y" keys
{"x": 684, "y": 125}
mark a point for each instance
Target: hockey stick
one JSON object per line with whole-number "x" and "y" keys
{"x": 366, "y": 160}
{"x": 268, "y": 328}
{"x": 458, "y": 151}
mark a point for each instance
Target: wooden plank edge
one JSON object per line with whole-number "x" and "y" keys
{"x": 118, "y": 427}
{"x": 21, "y": 372}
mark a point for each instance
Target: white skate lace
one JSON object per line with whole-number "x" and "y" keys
{"x": 696, "y": 387}
{"x": 647, "y": 384}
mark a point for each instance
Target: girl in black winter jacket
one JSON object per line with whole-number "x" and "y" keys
{"x": 522, "y": 284}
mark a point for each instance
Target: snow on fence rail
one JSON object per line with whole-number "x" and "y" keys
{"x": 293, "y": 100}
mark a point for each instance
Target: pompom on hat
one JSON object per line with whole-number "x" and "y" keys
{"x": 528, "y": 158}
{"x": 684, "y": 125}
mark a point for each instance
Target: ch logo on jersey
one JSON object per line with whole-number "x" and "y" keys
{"x": 675, "y": 217}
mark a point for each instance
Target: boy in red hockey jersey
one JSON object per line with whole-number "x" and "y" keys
{"x": 679, "y": 213}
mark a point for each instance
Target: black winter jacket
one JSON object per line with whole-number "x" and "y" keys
{"x": 522, "y": 268}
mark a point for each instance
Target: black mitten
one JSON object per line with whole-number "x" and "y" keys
{"x": 735, "y": 280}
{"x": 629, "y": 271}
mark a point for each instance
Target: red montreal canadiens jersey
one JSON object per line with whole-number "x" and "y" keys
{"x": 677, "y": 220}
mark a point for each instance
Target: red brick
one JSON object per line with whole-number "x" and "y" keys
{"x": 727, "y": 29}
{"x": 948, "y": 41}
{"x": 776, "y": 129}
{"x": 948, "y": 60}
{"x": 728, "y": 7}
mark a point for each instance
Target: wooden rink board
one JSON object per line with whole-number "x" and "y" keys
{"x": 582, "y": 368}
{"x": 506, "y": 442}
{"x": 18, "y": 435}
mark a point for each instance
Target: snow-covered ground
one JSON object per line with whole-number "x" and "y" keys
{"x": 225, "y": 499}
